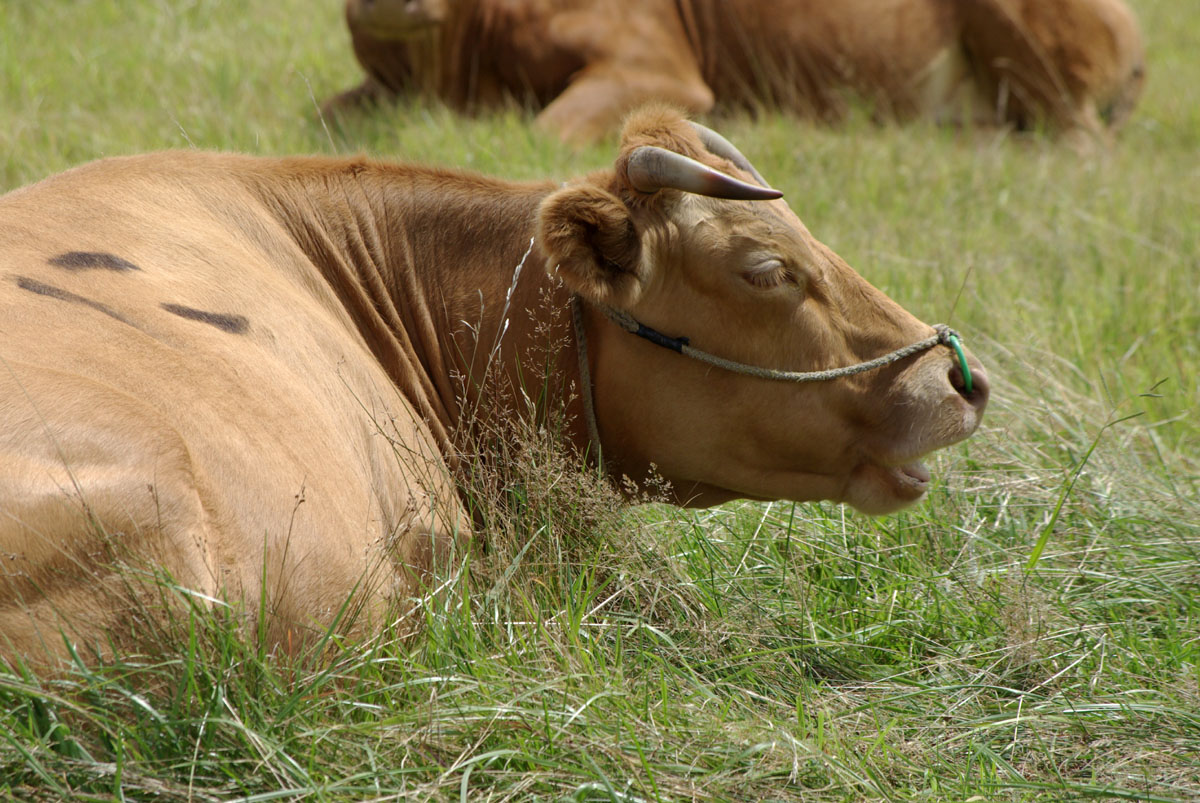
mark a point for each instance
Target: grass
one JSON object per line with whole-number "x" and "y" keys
{"x": 1030, "y": 632}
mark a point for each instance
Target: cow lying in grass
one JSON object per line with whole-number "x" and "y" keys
{"x": 1075, "y": 65}
{"x": 252, "y": 373}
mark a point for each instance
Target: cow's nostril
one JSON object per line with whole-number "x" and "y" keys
{"x": 978, "y": 394}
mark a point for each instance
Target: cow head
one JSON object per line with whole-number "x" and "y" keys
{"x": 745, "y": 280}
{"x": 395, "y": 19}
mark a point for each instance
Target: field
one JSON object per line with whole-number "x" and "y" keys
{"x": 1029, "y": 632}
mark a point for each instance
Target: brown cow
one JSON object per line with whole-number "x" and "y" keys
{"x": 252, "y": 372}
{"x": 1074, "y": 64}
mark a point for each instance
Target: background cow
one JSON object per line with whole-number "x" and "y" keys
{"x": 1074, "y": 64}
{"x": 254, "y": 372}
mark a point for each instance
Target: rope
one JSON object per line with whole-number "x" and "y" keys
{"x": 945, "y": 335}
{"x": 585, "y": 371}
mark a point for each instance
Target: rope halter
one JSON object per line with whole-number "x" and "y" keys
{"x": 943, "y": 335}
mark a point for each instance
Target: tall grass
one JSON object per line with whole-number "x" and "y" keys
{"x": 1031, "y": 631}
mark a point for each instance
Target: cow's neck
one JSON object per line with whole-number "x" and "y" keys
{"x": 424, "y": 263}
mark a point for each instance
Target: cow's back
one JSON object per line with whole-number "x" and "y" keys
{"x": 180, "y": 386}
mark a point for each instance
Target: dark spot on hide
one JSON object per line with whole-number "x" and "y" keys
{"x": 234, "y": 324}
{"x": 50, "y": 291}
{"x": 85, "y": 260}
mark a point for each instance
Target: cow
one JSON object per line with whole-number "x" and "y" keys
{"x": 250, "y": 374}
{"x": 1073, "y": 65}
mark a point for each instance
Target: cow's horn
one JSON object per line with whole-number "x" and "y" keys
{"x": 719, "y": 146}
{"x": 652, "y": 168}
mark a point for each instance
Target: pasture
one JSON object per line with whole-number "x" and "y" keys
{"x": 1028, "y": 632}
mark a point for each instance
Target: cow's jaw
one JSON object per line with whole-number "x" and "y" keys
{"x": 877, "y": 488}
{"x": 858, "y": 440}
{"x": 893, "y": 475}
{"x": 854, "y": 445}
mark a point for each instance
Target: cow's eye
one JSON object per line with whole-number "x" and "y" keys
{"x": 767, "y": 274}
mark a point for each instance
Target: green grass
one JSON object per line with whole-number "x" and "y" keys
{"x": 751, "y": 652}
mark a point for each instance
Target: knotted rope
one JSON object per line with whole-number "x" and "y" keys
{"x": 943, "y": 335}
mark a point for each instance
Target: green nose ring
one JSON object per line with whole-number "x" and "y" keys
{"x": 962, "y": 361}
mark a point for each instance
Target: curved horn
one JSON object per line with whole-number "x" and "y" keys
{"x": 652, "y": 168}
{"x": 719, "y": 146}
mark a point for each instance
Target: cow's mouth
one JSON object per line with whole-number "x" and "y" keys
{"x": 905, "y": 482}
{"x": 914, "y": 474}
{"x": 884, "y": 488}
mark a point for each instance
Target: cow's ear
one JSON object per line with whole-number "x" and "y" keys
{"x": 590, "y": 243}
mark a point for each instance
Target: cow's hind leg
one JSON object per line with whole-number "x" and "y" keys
{"x": 98, "y": 506}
